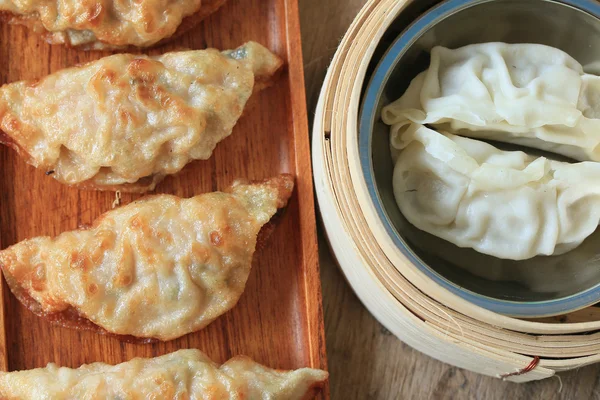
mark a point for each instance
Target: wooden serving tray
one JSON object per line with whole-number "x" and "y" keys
{"x": 278, "y": 320}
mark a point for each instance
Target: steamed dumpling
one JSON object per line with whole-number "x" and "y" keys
{"x": 505, "y": 204}
{"x": 527, "y": 94}
{"x": 561, "y": 274}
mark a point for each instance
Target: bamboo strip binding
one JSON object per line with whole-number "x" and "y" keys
{"x": 418, "y": 311}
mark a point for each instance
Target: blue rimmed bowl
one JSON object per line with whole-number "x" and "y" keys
{"x": 542, "y": 286}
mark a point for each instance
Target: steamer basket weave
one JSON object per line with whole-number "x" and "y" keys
{"x": 418, "y": 311}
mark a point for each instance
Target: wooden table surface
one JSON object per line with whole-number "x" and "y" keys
{"x": 365, "y": 360}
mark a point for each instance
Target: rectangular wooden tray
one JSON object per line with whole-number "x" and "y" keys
{"x": 278, "y": 320}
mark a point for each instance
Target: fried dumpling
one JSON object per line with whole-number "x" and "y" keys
{"x": 527, "y": 94}
{"x": 125, "y": 121}
{"x": 160, "y": 267}
{"x": 107, "y": 24}
{"x": 184, "y": 374}
{"x": 507, "y": 204}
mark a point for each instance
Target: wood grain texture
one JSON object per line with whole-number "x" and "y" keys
{"x": 278, "y": 320}
{"x": 365, "y": 360}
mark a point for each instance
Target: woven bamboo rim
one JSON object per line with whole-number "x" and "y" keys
{"x": 460, "y": 332}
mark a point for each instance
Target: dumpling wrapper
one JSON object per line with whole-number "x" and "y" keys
{"x": 506, "y": 204}
{"x": 184, "y": 374}
{"x": 107, "y": 24}
{"x": 527, "y": 94}
{"x": 560, "y": 274}
{"x": 158, "y": 268}
{"x": 126, "y": 121}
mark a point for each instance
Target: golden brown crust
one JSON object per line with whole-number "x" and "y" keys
{"x": 149, "y": 183}
{"x": 172, "y": 109}
{"x": 183, "y": 374}
{"x": 94, "y": 18}
{"x": 70, "y": 317}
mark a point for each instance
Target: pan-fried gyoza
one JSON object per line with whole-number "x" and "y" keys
{"x": 185, "y": 374}
{"x": 158, "y": 268}
{"x": 107, "y": 24}
{"x": 126, "y": 121}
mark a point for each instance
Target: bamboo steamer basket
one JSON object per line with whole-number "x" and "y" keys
{"x": 417, "y": 310}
